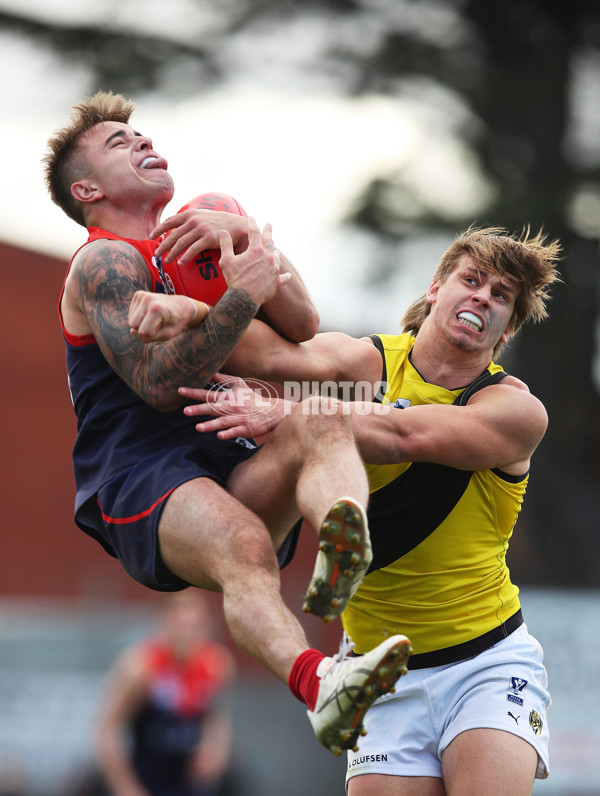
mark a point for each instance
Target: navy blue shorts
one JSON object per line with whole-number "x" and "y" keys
{"x": 124, "y": 515}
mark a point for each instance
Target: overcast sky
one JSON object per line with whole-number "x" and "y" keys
{"x": 291, "y": 154}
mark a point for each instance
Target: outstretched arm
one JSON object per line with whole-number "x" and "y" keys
{"x": 331, "y": 357}
{"x": 343, "y": 365}
{"x": 499, "y": 428}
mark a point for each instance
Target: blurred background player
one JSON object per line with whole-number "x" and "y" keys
{"x": 165, "y": 723}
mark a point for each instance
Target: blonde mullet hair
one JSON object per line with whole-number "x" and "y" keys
{"x": 64, "y": 164}
{"x": 528, "y": 261}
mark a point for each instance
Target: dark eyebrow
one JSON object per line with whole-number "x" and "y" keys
{"x": 508, "y": 287}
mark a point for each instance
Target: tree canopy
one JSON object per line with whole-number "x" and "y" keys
{"x": 514, "y": 82}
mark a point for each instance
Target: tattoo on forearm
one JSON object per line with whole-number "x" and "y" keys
{"x": 194, "y": 356}
{"x": 109, "y": 274}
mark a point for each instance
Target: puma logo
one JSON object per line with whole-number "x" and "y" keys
{"x": 516, "y": 718}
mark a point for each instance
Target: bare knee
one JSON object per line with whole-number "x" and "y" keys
{"x": 212, "y": 548}
{"x": 318, "y": 408}
{"x": 252, "y": 550}
{"x": 249, "y": 555}
{"x": 251, "y": 568}
{"x": 318, "y": 419}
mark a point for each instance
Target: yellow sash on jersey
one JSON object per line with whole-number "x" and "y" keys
{"x": 439, "y": 537}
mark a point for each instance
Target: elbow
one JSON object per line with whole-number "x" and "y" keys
{"x": 396, "y": 450}
{"x": 162, "y": 401}
{"x": 378, "y": 441}
{"x": 168, "y": 403}
{"x": 305, "y": 326}
{"x": 311, "y": 325}
{"x": 166, "y": 408}
{"x": 410, "y": 445}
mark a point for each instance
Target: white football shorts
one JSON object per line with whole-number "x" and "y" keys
{"x": 503, "y": 688}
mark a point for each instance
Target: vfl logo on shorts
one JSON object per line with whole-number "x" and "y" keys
{"x": 515, "y": 691}
{"x": 246, "y": 443}
{"x": 535, "y": 722}
{"x": 402, "y": 403}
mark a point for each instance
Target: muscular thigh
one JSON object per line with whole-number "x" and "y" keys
{"x": 490, "y": 762}
{"x": 266, "y": 484}
{"x": 207, "y": 536}
{"x": 383, "y": 785}
{"x": 478, "y": 724}
{"x": 493, "y": 762}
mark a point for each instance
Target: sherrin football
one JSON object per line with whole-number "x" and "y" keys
{"x": 202, "y": 278}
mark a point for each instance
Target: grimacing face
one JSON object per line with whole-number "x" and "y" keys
{"x": 124, "y": 168}
{"x": 472, "y": 306}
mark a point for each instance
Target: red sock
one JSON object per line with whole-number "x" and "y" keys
{"x": 303, "y": 680}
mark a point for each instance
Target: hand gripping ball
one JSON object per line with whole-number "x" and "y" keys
{"x": 202, "y": 278}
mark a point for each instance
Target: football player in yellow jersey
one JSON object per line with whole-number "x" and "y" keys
{"x": 448, "y": 442}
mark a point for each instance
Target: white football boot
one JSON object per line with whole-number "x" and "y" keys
{"x": 349, "y": 687}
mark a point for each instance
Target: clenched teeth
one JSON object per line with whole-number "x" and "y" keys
{"x": 470, "y": 320}
{"x": 147, "y": 161}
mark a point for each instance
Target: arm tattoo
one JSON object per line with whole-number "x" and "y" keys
{"x": 109, "y": 273}
{"x": 196, "y": 354}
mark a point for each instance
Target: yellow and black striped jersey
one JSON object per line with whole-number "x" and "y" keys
{"x": 439, "y": 535}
